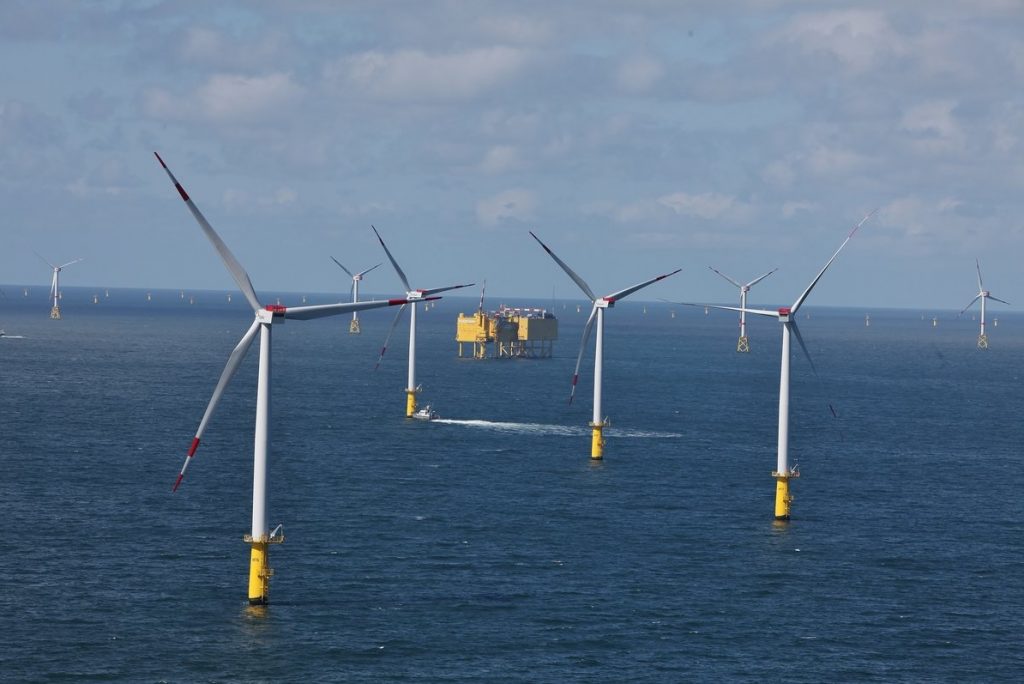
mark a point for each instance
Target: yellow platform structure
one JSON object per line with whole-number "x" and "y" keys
{"x": 509, "y": 332}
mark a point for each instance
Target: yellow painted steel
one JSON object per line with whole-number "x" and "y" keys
{"x": 515, "y": 333}
{"x": 259, "y": 573}
{"x": 410, "y": 402}
{"x": 782, "y": 497}
{"x": 597, "y": 441}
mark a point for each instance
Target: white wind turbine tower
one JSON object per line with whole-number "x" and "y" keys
{"x": 55, "y": 285}
{"x": 983, "y": 294}
{"x": 743, "y": 345}
{"x": 600, "y": 304}
{"x": 787, "y": 317}
{"x": 414, "y": 296}
{"x": 266, "y": 317}
{"x": 353, "y": 327}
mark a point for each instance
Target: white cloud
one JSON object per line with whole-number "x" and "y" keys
{"x": 792, "y": 208}
{"x": 409, "y": 75}
{"x": 243, "y": 199}
{"x": 934, "y": 127}
{"x": 858, "y": 38}
{"x": 708, "y": 205}
{"x": 227, "y": 98}
{"x": 510, "y": 204}
{"x": 500, "y": 158}
{"x": 512, "y": 29}
{"x": 638, "y": 74}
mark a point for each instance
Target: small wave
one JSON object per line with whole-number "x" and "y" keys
{"x": 12, "y": 337}
{"x": 548, "y": 429}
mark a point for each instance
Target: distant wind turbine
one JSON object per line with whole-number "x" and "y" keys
{"x": 787, "y": 317}
{"x": 743, "y": 345}
{"x": 55, "y": 285}
{"x": 353, "y": 326}
{"x": 983, "y": 294}
{"x": 600, "y": 304}
{"x": 265, "y": 318}
{"x": 414, "y": 296}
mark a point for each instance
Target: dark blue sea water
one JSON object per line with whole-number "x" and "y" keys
{"x": 489, "y": 547}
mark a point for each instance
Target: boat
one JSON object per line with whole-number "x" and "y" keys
{"x": 426, "y": 413}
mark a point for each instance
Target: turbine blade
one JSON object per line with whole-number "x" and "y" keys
{"x": 435, "y": 290}
{"x": 800, "y": 340}
{"x": 232, "y": 264}
{"x": 44, "y": 260}
{"x": 821, "y": 383}
{"x": 621, "y": 294}
{"x": 398, "y": 269}
{"x": 74, "y": 261}
{"x": 725, "y": 276}
{"x": 387, "y": 339}
{"x": 998, "y": 299}
{"x": 342, "y": 267}
{"x": 579, "y": 357}
{"x": 565, "y": 267}
{"x": 755, "y": 281}
{"x": 352, "y": 290}
{"x": 308, "y": 313}
{"x": 234, "y": 361}
{"x": 362, "y": 273}
{"x": 758, "y": 312}
{"x": 802, "y": 297}
{"x": 978, "y": 266}
{"x": 969, "y": 305}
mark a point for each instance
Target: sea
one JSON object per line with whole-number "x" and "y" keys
{"x": 487, "y": 546}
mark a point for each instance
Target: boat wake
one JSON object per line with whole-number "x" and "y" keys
{"x": 561, "y": 430}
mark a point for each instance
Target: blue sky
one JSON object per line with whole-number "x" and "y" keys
{"x": 634, "y": 138}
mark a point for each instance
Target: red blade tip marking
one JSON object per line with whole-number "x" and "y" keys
{"x": 160, "y": 159}
{"x": 195, "y": 445}
{"x": 177, "y": 482}
{"x": 393, "y": 302}
{"x": 181, "y": 191}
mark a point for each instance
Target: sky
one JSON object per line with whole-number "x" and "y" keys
{"x": 633, "y": 137}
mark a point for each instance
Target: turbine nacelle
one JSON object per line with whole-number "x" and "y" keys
{"x": 604, "y": 303}
{"x": 271, "y": 313}
{"x": 784, "y": 313}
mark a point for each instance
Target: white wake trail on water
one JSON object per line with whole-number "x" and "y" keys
{"x": 547, "y": 429}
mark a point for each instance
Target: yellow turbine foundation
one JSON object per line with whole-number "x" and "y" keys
{"x": 410, "y": 403}
{"x": 597, "y": 441}
{"x": 783, "y": 498}
{"x": 743, "y": 344}
{"x": 55, "y": 313}
{"x": 353, "y": 327}
{"x": 259, "y": 568}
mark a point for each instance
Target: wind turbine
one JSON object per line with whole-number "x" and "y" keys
{"x": 266, "y": 317}
{"x": 414, "y": 296}
{"x": 600, "y": 304}
{"x": 743, "y": 345}
{"x": 353, "y": 327}
{"x": 983, "y": 294}
{"x": 55, "y": 285}
{"x": 787, "y": 317}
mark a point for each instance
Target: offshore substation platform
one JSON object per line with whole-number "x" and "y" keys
{"x": 508, "y": 333}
